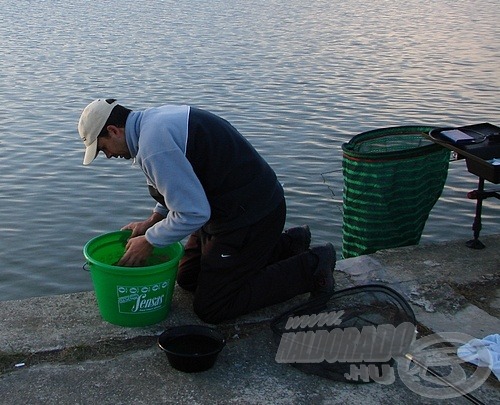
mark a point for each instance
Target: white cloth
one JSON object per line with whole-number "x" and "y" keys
{"x": 483, "y": 353}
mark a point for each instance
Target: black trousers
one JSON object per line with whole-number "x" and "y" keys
{"x": 237, "y": 272}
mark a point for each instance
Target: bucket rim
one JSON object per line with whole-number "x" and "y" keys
{"x": 140, "y": 270}
{"x": 175, "y": 332}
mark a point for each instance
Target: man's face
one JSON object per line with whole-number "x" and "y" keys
{"x": 114, "y": 145}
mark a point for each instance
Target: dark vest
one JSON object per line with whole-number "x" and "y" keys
{"x": 240, "y": 186}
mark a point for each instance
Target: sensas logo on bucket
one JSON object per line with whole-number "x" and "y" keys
{"x": 142, "y": 298}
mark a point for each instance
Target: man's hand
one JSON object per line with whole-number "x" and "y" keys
{"x": 140, "y": 227}
{"x": 137, "y": 251}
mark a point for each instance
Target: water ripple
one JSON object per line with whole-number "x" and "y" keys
{"x": 297, "y": 80}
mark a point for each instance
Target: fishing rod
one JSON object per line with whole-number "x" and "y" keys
{"x": 466, "y": 395}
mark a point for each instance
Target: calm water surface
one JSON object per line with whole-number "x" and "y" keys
{"x": 297, "y": 78}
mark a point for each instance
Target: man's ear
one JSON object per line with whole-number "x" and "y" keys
{"x": 113, "y": 130}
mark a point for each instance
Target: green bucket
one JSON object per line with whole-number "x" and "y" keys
{"x": 131, "y": 296}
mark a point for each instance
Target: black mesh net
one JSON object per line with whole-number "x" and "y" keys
{"x": 347, "y": 337}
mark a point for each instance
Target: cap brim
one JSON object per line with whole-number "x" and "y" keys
{"x": 90, "y": 153}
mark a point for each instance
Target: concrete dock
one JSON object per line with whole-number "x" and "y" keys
{"x": 58, "y": 349}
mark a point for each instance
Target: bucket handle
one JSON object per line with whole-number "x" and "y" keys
{"x": 84, "y": 267}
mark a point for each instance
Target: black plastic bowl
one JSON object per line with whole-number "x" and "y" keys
{"x": 191, "y": 348}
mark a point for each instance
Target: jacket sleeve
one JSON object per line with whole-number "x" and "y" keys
{"x": 188, "y": 207}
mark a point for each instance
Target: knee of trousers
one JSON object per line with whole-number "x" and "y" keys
{"x": 207, "y": 312}
{"x": 186, "y": 282}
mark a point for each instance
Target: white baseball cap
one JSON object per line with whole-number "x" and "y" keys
{"x": 91, "y": 123}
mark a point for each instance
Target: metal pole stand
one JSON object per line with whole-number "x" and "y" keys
{"x": 480, "y": 194}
